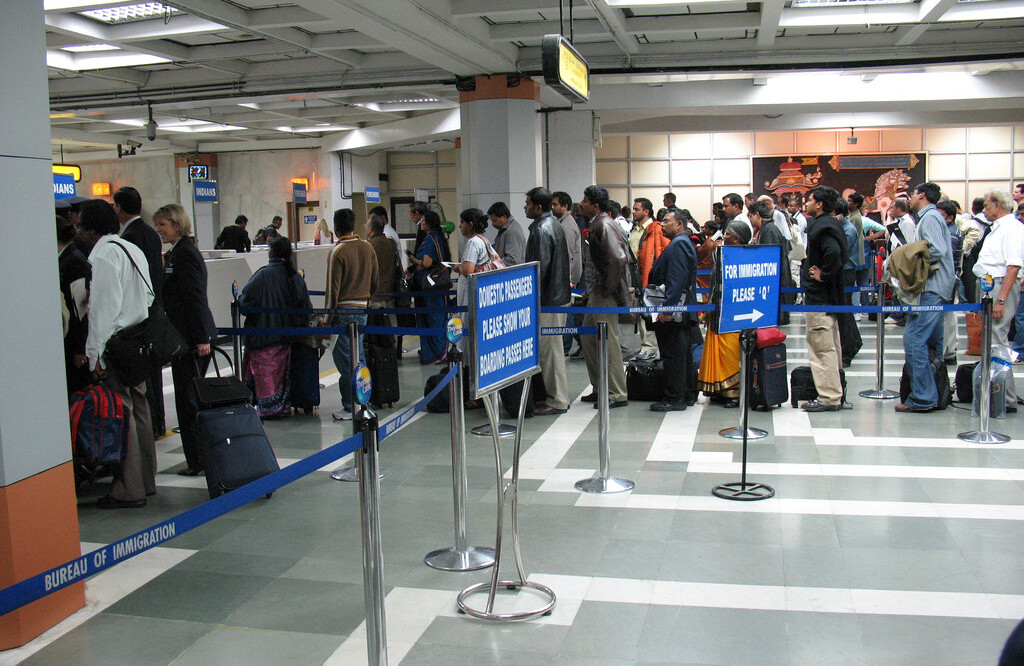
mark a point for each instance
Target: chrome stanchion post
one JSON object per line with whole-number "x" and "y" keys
{"x": 460, "y": 557}
{"x": 604, "y": 482}
{"x": 236, "y": 323}
{"x": 506, "y": 491}
{"x": 350, "y": 471}
{"x": 373, "y": 557}
{"x": 743, "y": 431}
{"x": 879, "y": 393}
{"x": 984, "y": 436}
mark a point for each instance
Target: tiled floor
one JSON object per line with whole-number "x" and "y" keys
{"x": 889, "y": 541}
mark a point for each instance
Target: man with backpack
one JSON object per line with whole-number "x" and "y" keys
{"x": 972, "y": 247}
{"x": 956, "y": 241}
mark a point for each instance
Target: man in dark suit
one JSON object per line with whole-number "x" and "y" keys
{"x": 128, "y": 206}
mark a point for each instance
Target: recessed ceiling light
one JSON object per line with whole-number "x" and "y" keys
{"x": 128, "y": 13}
{"x": 90, "y": 48}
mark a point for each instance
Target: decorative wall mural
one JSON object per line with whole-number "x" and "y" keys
{"x": 880, "y": 178}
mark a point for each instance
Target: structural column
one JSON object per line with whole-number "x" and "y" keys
{"x": 38, "y": 512}
{"x": 569, "y": 151}
{"x": 500, "y": 154}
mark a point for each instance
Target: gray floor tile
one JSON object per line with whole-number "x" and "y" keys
{"x": 713, "y": 636}
{"x": 745, "y": 564}
{"x": 928, "y": 641}
{"x": 252, "y": 647}
{"x": 290, "y": 604}
{"x": 539, "y": 640}
{"x": 606, "y": 630}
{"x": 192, "y": 596}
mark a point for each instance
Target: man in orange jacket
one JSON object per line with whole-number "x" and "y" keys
{"x": 647, "y": 242}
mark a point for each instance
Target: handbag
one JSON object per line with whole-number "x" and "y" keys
{"x": 152, "y": 342}
{"x": 494, "y": 261}
{"x": 213, "y": 392}
{"x": 439, "y": 279}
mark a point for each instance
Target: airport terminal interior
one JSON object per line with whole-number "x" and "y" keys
{"x": 888, "y": 540}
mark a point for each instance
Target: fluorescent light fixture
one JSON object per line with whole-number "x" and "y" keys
{"x": 323, "y": 128}
{"x": 250, "y": 105}
{"x": 847, "y": 3}
{"x": 130, "y": 13}
{"x": 90, "y": 48}
{"x": 658, "y": 3}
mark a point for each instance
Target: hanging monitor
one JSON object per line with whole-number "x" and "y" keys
{"x": 565, "y": 70}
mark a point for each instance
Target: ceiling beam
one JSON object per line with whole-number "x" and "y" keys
{"x": 931, "y": 12}
{"x": 612, "y": 20}
{"x": 771, "y": 14}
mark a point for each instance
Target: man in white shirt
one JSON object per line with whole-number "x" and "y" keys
{"x": 732, "y": 206}
{"x": 119, "y": 297}
{"x": 1001, "y": 256}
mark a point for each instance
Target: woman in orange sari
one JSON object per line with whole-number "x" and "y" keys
{"x": 719, "y": 375}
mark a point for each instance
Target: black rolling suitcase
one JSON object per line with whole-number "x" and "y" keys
{"x": 304, "y": 389}
{"x": 382, "y": 362}
{"x": 645, "y": 380}
{"x": 234, "y": 447}
{"x": 801, "y": 385}
{"x": 941, "y": 383}
{"x": 439, "y": 405}
{"x": 768, "y": 388}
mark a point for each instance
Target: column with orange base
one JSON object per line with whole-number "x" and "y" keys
{"x": 38, "y": 515}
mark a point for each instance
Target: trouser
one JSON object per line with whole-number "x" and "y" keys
{"x": 616, "y": 372}
{"x": 1001, "y": 332}
{"x": 823, "y": 353}
{"x": 342, "y": 352}
{"x": 675, "y": 344}
{"x": 552, "y": 362}
{"x": 186, "y": 403}
{"x": 849, "y": 333}
{"x": 155, "y": 398}
{"x": 135, "y": 477}
{"x": 648, "y": 339}
{"x": 922, "y": 339}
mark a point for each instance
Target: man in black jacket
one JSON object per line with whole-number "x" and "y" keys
{"x": 128, "y": 206}
{"x": 235, "y": 237}
{"x": 546, "y": 245}
{"x": 822, "y": 278}
{"x": 607, "y": 286}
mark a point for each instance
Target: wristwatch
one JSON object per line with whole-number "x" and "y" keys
{"x": 1001, "y": 301}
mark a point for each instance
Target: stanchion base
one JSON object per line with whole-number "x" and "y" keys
{"x": 452, "y": 559}
{"x": 514, "y": 585}
{"x": 351, "y": 473}
{"x": 612, "y": 484}
{"x": 743, "y": 492}
{"x": 980, "y": 437}
{"x": 504, "y": 430}
{"x": 737, "y": 433}
{"x": 884, "y": 394}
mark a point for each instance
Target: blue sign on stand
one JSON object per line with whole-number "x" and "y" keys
{"x": 63, "y": 186}
{"x": 504, "y": 306}
{"x": 751, "y": 283}
{"x": 299, "y": 192}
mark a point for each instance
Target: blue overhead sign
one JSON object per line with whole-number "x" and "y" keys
{"x": 299, "y": 192}
{"x": 504, "y": 306}
{"x": 63, "y": 186}
{"x": 205, "y": 191}
{"x": 373, "y": 195}
{"x": 751, "y": 283}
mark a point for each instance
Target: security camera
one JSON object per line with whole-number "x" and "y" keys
{"x": 133, "y": 144}
{"x": 150, "y": 130}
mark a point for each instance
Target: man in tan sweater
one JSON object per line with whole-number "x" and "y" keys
{"x": 352, "y": 275}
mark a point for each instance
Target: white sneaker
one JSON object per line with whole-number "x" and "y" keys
{"x": 856, "y": 316}
{"x": 342, "y": 415}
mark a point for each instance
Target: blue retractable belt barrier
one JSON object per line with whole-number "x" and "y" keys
{"x": 568, "y": 330}
{"x": 76, "y": 570}
{"x": 958, "y": 307}
{"x": 332, "y": 311}
{"x": 642, "y": 309}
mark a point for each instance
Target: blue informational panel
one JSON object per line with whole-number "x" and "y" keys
{"x": 504, "y": 341}
{"x": 205, "y": 191}
{"x": 63, "y": 186}
{"x": 373, "y": 195}
{"x": 751, "y": 283}
{"x": 310, "y": 219}
{"x": 299, "y": 192}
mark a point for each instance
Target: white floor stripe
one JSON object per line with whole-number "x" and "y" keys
{"x": 543, "y": 456}
{"x": 101, "y": 592}
{"x": 674, "y": 441}
{"x": 845, "y": 437}
{"x": 870, "y": 471}
{"x": 791, "y": 423}
{"x": 810, "y": 507}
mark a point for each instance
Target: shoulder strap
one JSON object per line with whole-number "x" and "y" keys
{"x": 136, "y": 267}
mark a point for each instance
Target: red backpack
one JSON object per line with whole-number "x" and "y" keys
{"x": 99, "y": 428}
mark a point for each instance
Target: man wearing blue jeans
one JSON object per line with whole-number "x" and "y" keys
{"x": 352, "y": 275}
{"x": 923, "y": 335}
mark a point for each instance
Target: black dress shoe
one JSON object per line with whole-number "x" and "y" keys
{"x": 730, "y": 403}
{"x": 612, "y": 404}
{"x": 108, "y": 502}
{"x": 669, "y": 406}
{"x": 590, "y": 397}
{"x": 190, "y": 471}
{"x": 545, "y": 409}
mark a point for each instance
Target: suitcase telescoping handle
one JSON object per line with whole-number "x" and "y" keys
{"x": 213, "y": 356}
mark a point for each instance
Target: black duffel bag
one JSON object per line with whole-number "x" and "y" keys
{"x": 220, "y": 391}
{"x": 152, "y": 342}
